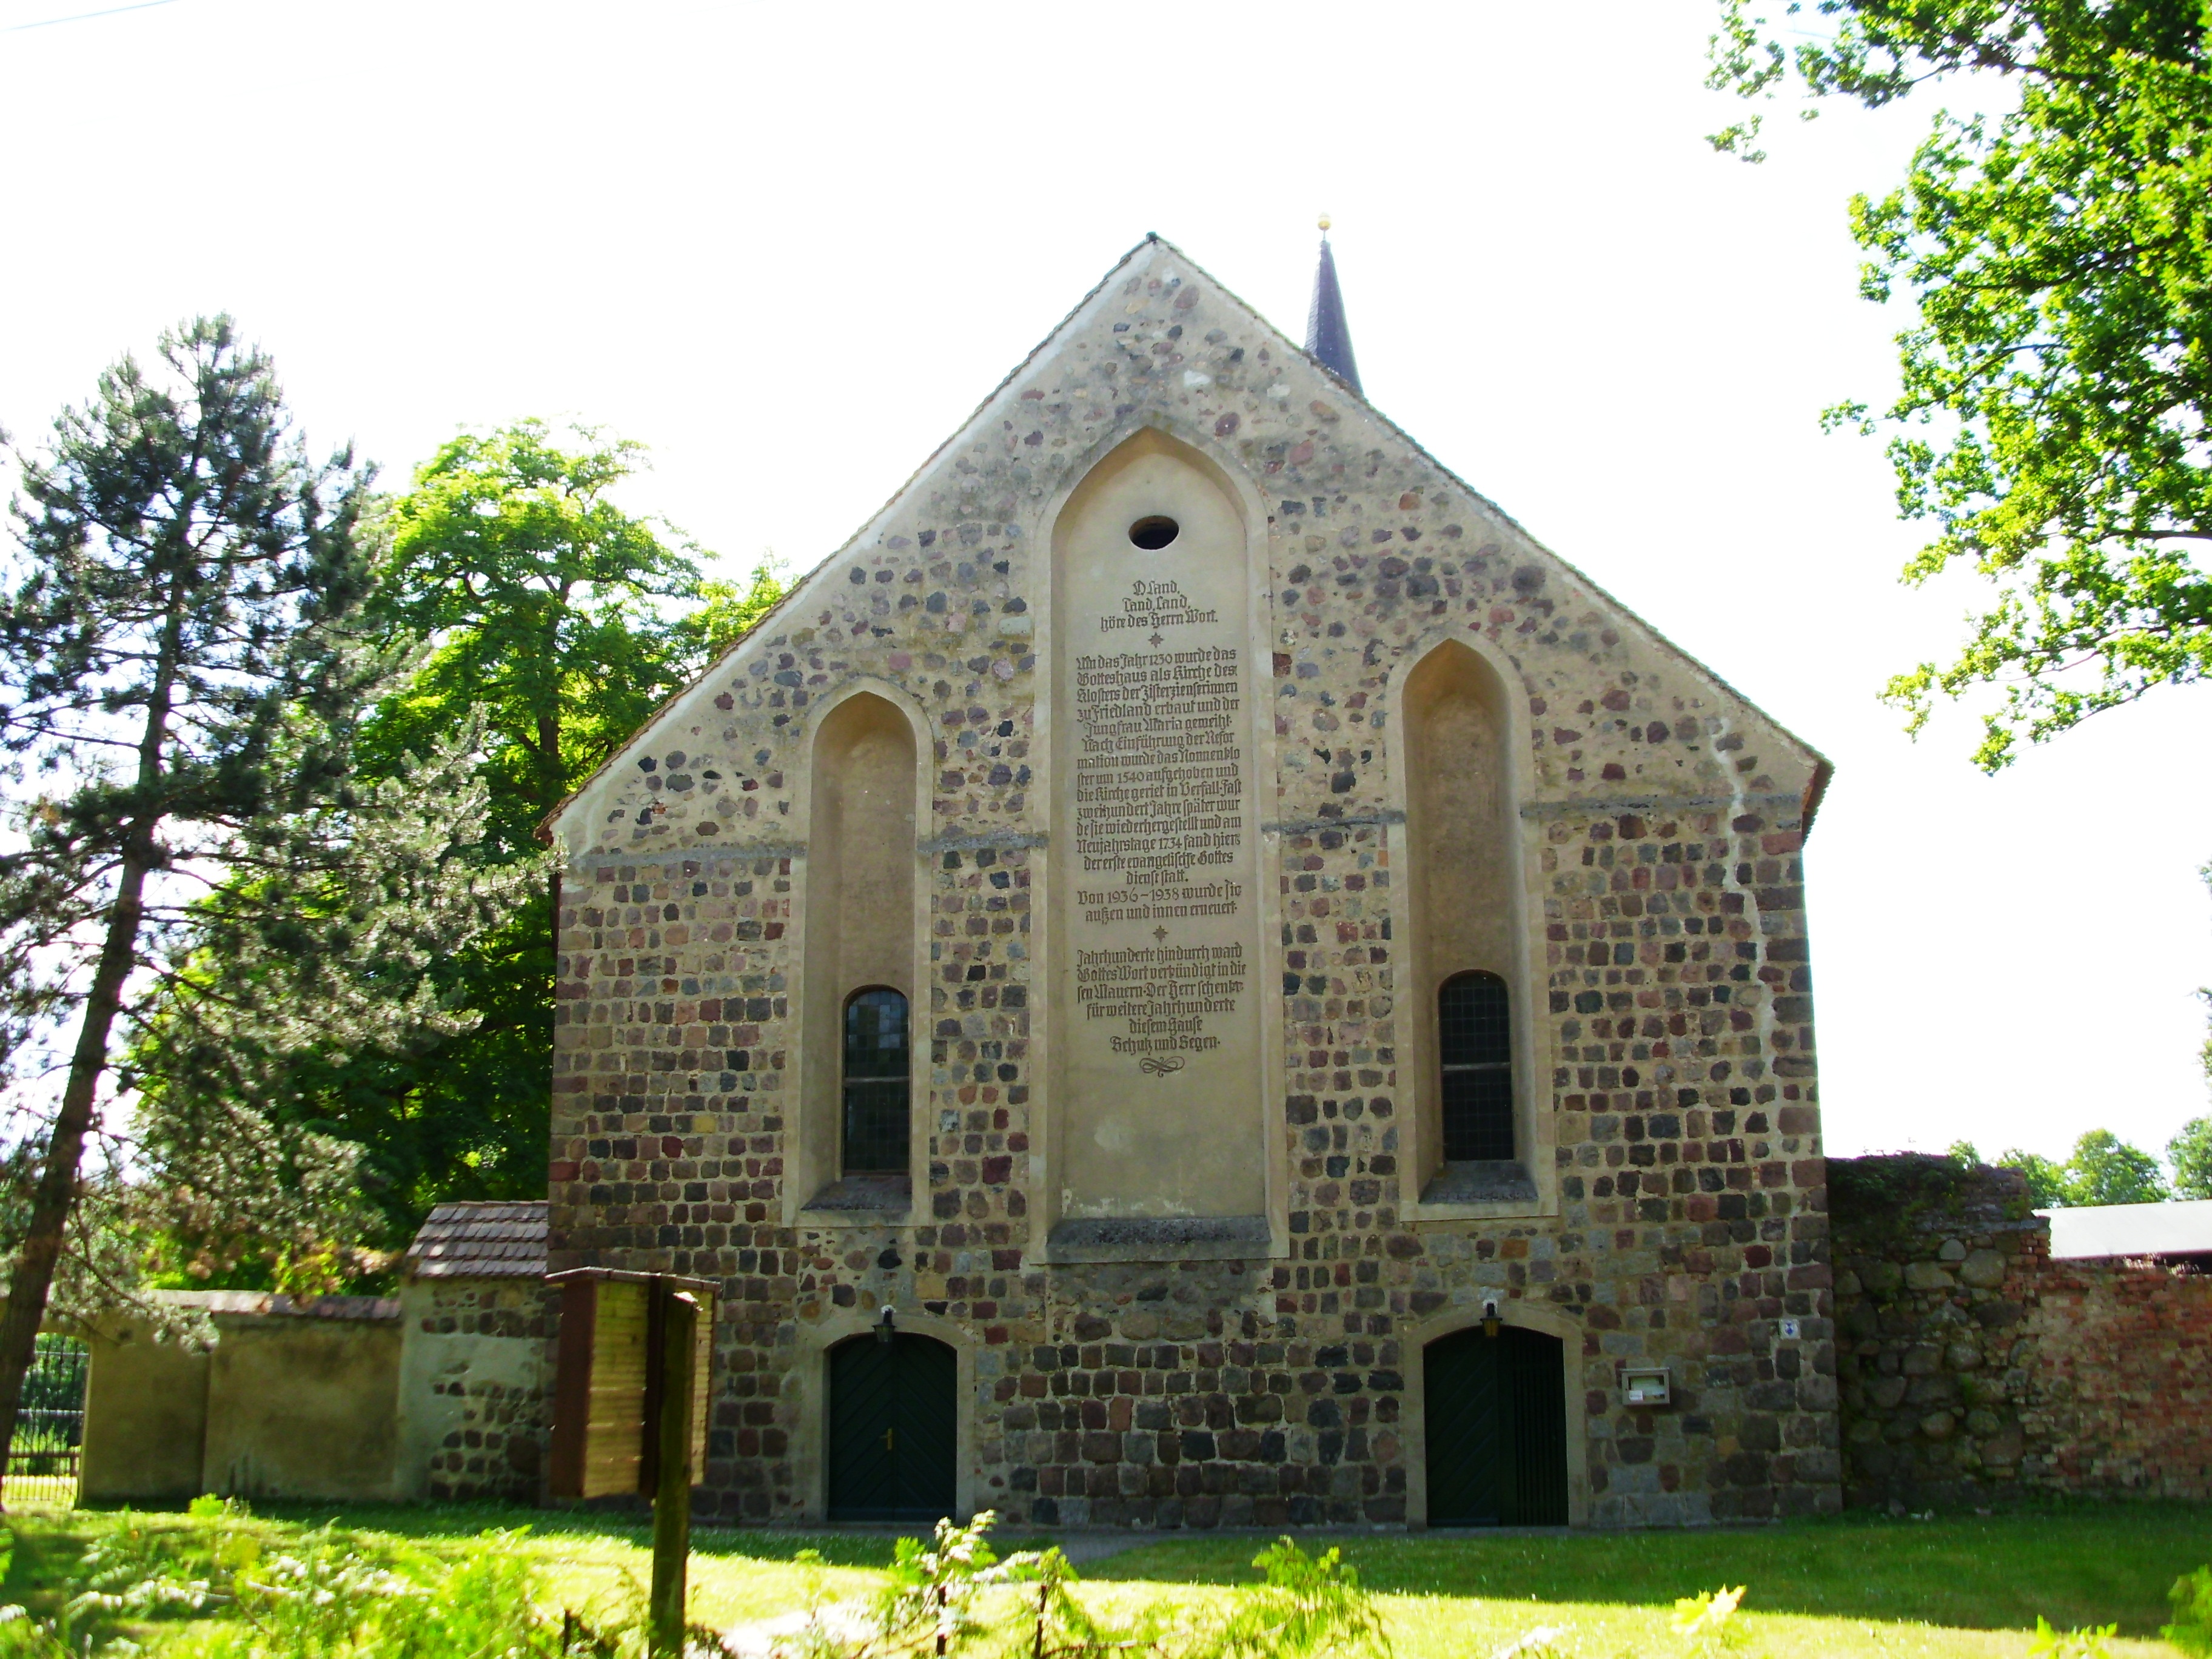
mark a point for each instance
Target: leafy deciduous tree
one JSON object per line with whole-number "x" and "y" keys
{"x": 2102, "y": 1169}
{"x": 2048, "y": 1183}
{"x": 2105, "y": 1170}
{"x": 2189, "y": 1156}
{"x": 2057, "y": 374}
{"x": 569, "y": 620}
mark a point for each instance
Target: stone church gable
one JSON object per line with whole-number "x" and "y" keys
{"x": 1197, "y": 957}
{"x": 940, "y": 581}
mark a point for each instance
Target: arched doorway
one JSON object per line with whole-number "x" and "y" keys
{"x": 893, "y": 1423}
{"x": 1497, "y": 1425}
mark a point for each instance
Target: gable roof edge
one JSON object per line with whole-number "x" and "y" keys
{"x": 1822, "y": 768}
{"x": 1152, "y": 238}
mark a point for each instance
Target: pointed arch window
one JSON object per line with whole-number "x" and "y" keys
{"x": 878, "y": 1083}
{"x": 1474, "y": 1043}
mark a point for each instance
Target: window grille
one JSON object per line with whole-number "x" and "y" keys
{"x": 1474, "y": 1041}
{"x": 878, "y": 1117}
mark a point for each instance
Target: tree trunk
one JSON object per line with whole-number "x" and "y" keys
{"x": 33, "y": 1276}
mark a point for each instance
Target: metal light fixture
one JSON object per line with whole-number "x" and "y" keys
{"x": 1489, "y": 1318}
{"x": 885, "y": 1329}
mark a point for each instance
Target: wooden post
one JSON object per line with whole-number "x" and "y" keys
{"x": 671, "y": 1495}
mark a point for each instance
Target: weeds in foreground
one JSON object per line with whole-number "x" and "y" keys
{"x": 1706, "y": 1623}
{"x": 2087, "y": 1642}
{"x": 955, "y": 1593}
{"x": 324, "y": 1596}
{"x": 2191, "y": 1629}
{"x": 225, "y": 1586}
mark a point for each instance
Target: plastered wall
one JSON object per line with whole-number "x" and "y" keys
{"x": 1255, "y": 1373}
{"x": 1465, "y": 848}
{"x": 858, "y": 925}
{"x": 145, "y": 1418}
{"x": 441, "y": 1394}
{"x": 279, "y": 1405}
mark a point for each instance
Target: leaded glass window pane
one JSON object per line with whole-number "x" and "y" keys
{"x": 878, "y": 1117}
{"x": 1474, "y": 1043}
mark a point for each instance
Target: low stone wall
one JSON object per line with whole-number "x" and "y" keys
{"x": 1974, "y": 1368}
{"x": 293, "y": 1399}
{"x": 443, "y": 1392}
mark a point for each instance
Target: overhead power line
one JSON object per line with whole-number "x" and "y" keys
{"x": 84, "y": 16}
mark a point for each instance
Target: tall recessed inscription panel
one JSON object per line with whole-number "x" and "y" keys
{"x": 1156, "y": 845}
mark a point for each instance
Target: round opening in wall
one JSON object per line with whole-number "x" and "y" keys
{"x": 1154, "y": 533}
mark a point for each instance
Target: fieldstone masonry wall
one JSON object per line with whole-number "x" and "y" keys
{"x": 1975, "y": 1368}
{"x": 476, "y": 1388}
{"x": 1682, "y": 1212}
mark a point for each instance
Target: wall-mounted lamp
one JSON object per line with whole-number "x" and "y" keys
{"x": 1490, "y": 1317}
{"x": 885, "y": 1329}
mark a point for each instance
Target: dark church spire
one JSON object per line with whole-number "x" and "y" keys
{"x": 1328, "y": 337}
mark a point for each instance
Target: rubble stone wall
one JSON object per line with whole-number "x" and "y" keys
{"x": 1975, "y": 1368}
{"x": 476, "y": 1388}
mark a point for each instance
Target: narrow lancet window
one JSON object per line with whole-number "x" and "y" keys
{"x": 1474, "y": 1042}
{"x": 876, "y": 1084}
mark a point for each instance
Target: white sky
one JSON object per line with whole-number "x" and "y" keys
{"x": 790, "y": 247}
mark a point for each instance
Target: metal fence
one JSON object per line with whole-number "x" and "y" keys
{"x": 44, "y": 1458}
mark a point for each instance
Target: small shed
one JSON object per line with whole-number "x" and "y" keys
{"x": 476, "y": 1363}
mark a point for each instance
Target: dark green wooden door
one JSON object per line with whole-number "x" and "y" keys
{"x": 1497, "y": 1428}
{"x": 893, "y": 1429}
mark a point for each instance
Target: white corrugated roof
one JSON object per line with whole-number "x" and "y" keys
{"x": 2183, "y": 1228}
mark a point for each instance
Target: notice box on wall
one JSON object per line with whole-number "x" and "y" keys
{"x": 606, "y": 1391}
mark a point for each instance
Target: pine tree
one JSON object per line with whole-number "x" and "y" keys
{"x": 198, "y": 879}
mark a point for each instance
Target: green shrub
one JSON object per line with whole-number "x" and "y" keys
{"x": 22, "y": 1637}
{"x": 2191, "y": 1629}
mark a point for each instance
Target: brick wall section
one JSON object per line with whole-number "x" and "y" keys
{"x": 2124, "y": 1394}
{"x": 1977, "y": 1369}
{"x": 1670, "y": 959}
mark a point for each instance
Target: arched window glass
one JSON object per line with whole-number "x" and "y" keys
{"x": 1474, "y": 1041}
{"x": 877, "y": 1119}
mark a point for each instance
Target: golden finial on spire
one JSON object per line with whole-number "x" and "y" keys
{"x": 1324, "y": 224}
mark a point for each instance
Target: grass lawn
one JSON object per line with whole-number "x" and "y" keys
{"x": 1955, "y": 1586}
{"x": 1949, "y": 1588}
